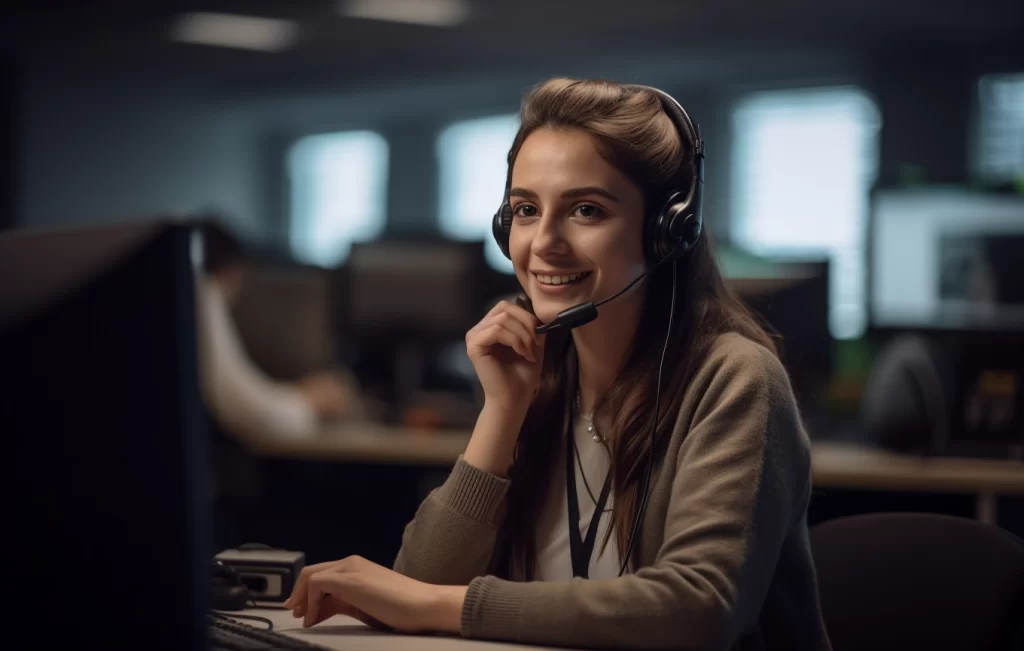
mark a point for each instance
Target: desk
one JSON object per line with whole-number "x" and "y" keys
{"x": 347, "y": 634}
{"x": 835, "y": 465}
{"x": 846, "y": 465}
{"x": 367, "y": 443}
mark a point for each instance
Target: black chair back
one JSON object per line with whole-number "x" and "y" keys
{"x": 919, "y": 581}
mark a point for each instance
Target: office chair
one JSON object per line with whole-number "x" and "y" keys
{"x": 919, "y": 581}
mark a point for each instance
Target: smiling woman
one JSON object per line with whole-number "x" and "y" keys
{"x": 671, "y": 409}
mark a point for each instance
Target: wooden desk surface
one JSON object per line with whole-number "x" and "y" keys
{"x": 838, "y": 465}
{"x": 368, "y": 443}
{"x": 846, "y": 465}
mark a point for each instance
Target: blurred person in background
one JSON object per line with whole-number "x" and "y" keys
{"x": 241, "y": 397}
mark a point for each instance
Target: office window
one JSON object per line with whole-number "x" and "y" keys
{"x": 338, "y": 193}
{"x": 999, "y": 141}
{"x": 472, "y": 156}
{"x": 803, "y": 165}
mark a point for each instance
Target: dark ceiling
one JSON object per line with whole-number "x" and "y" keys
{"x": 111, "y": 36}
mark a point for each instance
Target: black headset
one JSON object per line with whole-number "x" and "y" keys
{"x": 671, "y": 232}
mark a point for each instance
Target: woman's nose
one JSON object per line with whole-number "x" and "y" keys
{"x": 548, "y": 238}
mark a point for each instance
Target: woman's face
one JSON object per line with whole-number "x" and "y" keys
{"x": 577, "y": 225}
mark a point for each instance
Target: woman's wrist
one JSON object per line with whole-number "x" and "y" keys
{"x": 447, "y": 608}
{"x": 493, "y": 442}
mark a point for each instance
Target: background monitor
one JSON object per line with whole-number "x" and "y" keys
{"x": 425, "y": 288}
{"x": 401, "y": 303}
{"x": 946, "y": 258}
{"x": 285, "y": 317}
{"x": 792, "y": 298}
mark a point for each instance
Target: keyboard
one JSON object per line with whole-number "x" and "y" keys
{"x": 224, "y": 635}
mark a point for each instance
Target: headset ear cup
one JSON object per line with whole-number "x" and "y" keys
{"x": 502, "y": 226}
{"x": 690, "y": 231}
{"x": 676, "y": 230}
{"x": 668, "y": 236}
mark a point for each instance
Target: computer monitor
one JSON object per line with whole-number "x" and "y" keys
{"x": 285, "y": 318}
{"x": 792, "y": 298}
{"x": 423, "y": 288}
{"x": 404, "y": 301}
{"x": 946, "y": 259}
{"x": 105, "y": 435}
{"x": 946, "y": 309}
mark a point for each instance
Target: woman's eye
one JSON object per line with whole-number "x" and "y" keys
{"x": 587, "y": 211}
{"x": 525, "y": 210}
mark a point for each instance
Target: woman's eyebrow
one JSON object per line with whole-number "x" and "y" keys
{"x": 572, "y": 193}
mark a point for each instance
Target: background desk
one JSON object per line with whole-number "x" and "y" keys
{"x": 377, "y": 476}
{"x": 834, "y": 465}
{"x": 367, "y": 443}
{"x": 845, "y": 465}
{"x": 347, "y": 634}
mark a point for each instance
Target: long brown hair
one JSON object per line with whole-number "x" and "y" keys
{"x": 635, "y": 135}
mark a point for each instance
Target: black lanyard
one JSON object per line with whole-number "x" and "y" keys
{"x": 581, "y": 550}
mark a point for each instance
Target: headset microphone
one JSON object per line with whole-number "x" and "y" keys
{"x": 584, "y": 313}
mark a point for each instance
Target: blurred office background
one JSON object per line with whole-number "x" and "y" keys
{"x": 865, "y": 184}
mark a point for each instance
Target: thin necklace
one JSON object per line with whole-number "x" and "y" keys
{"x": 590, "y": 428}
{"x": 579, "y": 462}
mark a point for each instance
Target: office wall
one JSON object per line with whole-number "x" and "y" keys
{"x": 411, "y": 117}
{"x": 91, "y": 152}
{"x": 928, "y": 99}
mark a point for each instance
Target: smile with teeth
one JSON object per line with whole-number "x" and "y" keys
{"x": 561, "y": 280}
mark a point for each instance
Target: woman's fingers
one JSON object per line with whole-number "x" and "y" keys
{"x": 314, "y": 595}
{"x": 297, "y": 598}
{"x": 375, "y": 595}
{"x": 331, "y": 605}
{"x": 514, "y": 313}
{"x": 524, "y": 316}
{"x": 499, "y": 334}
{"x": 483, "y": 323}
{"x": 323, "y": 590}
{"x": 516, "y": 325}
{"x": 517, "y": 312}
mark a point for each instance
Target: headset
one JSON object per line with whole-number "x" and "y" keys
{"x": 670, "y": 233}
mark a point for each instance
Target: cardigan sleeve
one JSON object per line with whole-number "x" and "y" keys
{"x": 742, "y": 479}
{"x": 452, "y": 538}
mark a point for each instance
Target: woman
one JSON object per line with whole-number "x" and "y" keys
{"x": 721, "y": 557}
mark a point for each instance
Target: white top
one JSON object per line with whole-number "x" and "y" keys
{"x": 554, "y": 562}
{"x": 242, "y": 398}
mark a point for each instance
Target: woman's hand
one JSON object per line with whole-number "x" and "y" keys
{"x": 376, "y": 596}
{"x": 507, "y": 356}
